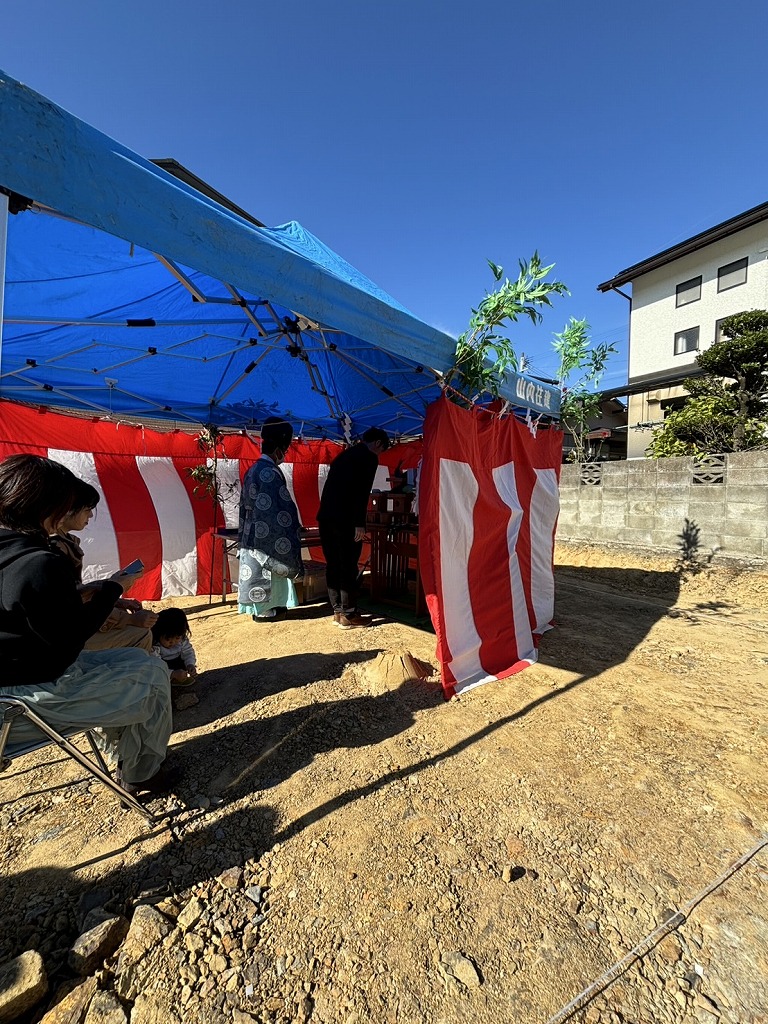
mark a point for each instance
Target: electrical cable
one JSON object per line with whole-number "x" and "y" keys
{"x": 647, "y": 944}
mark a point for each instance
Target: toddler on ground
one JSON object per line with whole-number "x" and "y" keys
{"x": 170, "y": 638}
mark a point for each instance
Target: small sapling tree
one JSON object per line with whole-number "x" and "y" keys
{"x": 483, "y": 355}
{"x": 579, "y": 372}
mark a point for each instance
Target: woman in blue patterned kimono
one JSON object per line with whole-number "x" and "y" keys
{"x": 268, "y": 532}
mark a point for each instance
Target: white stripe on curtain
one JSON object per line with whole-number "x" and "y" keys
{"x": 98, "y": 539}
{"x": 506, "y": 485}
{"x": 177, "y": 524}
{"x": 228, "y": 481}
{"x": 545, "y": 505}
{"x": 458, "y": 494}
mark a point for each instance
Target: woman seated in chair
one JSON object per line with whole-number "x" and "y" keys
{"x": 44, "y": 625}
{"x": 128, "y": 624}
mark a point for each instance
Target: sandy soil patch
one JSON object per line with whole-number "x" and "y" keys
{"x": 535, "y": 829}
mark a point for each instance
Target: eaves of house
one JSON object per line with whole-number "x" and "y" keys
{"x": 704, "y": 238}
{"x": 651, "y": 381}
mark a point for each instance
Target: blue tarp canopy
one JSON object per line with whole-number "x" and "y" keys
{"x": 131, "y": 293}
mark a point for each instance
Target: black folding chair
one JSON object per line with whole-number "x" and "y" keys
{"x": 13, "y": 708}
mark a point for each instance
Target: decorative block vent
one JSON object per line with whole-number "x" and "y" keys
{"x": 709, "y": 469}
{"x": 592, "y": 473}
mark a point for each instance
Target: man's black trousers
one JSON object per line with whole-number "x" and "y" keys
{"x": 342, "y": 553}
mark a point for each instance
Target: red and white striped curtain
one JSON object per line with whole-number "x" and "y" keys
{"x": 148, "y": 507}
{"x": 488, "y": 506}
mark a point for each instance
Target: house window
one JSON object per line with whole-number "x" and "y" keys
{"x": 687, "y": 341}
{"x": 688, "y": 291}
{"x": 669, "y": 405}
{"x": 732, "y": 274}
{"x": 719, "y": 333}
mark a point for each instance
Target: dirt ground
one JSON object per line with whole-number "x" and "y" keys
{"x": 412, "y": 860}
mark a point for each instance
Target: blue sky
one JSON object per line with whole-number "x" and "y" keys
{"x": 419, "y": 138}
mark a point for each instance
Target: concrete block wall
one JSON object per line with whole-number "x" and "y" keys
{"x": 645, "y": 502}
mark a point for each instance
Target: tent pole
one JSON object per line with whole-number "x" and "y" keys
{"x": 3, "y": 240}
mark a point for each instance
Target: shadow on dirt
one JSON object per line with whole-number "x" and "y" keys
{"x": 243, "y": 761}
{"x": 43, "y": 908}
{"x": 628, "y": 603}
{"x": 223, "y": 691}
{"x": 714, "y": 606}
{"x": 571, "y": 646}
{"x": 315, "y": 610}
{"x": 258, "y": 755}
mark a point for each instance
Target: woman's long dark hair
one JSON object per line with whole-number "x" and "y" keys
{"x": 86, "y": 496}
{"x": 33, "y": 489}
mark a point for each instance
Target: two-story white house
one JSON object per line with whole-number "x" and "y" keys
{"x": 678, "y": 301}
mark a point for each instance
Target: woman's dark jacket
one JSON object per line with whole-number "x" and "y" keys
{"x": 43, "y": 621}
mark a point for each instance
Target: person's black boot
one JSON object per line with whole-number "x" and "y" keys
{"x": 163, "y": 781}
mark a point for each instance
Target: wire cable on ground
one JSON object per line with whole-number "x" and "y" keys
{"x": 651, "y": 940}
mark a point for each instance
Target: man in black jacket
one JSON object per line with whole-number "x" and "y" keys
{"x": 341, "y": 518}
